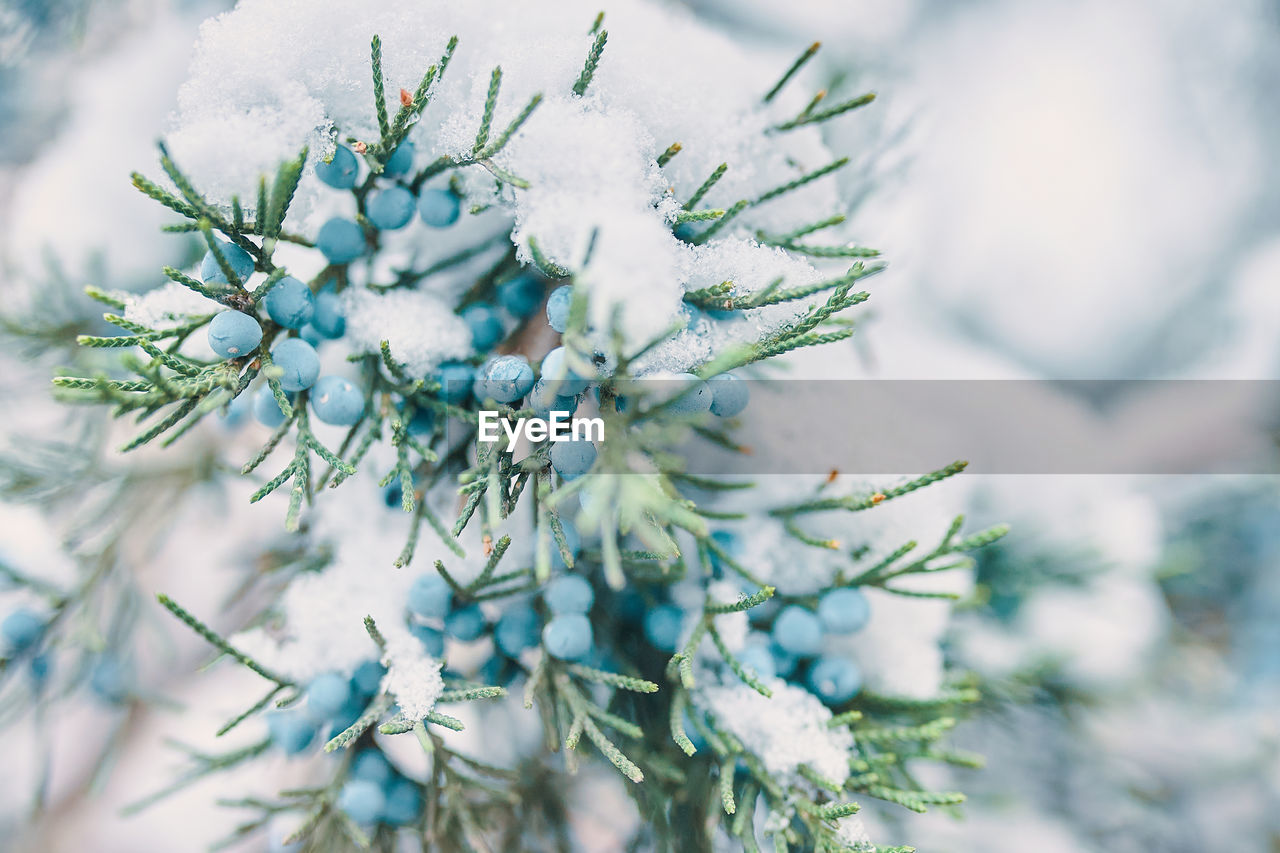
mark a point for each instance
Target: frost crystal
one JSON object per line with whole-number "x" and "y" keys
{"x": 786, "y": 730}
{"x": 421, "y": 330}
{"x": 850, "y": 830}
{"x": 413, "y": 676}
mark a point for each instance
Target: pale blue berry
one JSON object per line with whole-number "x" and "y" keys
{"x": 326, "y": 695}
{"x": 432, "y": 640}
{"x": 439, "y": 208}
{"x": 465, "y": 623}
{"x": 784, "y": 663}
{"x": 430, "y": 597}
{"x": 238, "y": 259}
{"x": 662, "y": 626}
{"x": 455, "y": 381}
{"x": 506, "y": 379}
{"x": 558, "y": 307}
{"x": 569, "y": 594}
{"x": 348, "y": 714}
{"x": 757, "y": 657}
{"x": 370, "y": 765}
{"x": 401, "y": 161}
{"x": 266, "y": 408}
{"x": 390, "y": 209}
{"x": 568, "y": 637}
{"x": 558, "y": 375}
{"x": 290, "y": 303}
{"x": 521, "y": 295}
{"x": 362, "y": 801}
{"x": 22, "y": 629}
{"x": 485, "y": 325}
{"x": 290, "y": 730}
{"x": 109, "y": 680}
{"x": 340, "y": 240}
{"x": 367, "y": 678}
{"x": 393, "y": 495}
{"x": 729, "y": 395}
{"x": 40, "y": 667}
{"x": 422, "y": 423}
{"x": 340, "y": 172}
{"x": 233, "y": 334}
{"x": 337, "y": 401}
{"x": 329, "y": 317}
{"x": 311, "y": 335}
{"x": 844, "y": 611}
{"x": 300, "y": 364}
{"x": 497, "y": 669}
{"x": 834, "y": 680}
{"x": 403, "y": 802}
{"x": 517, "y": 630}
{"x": 572, "y": 459}
{"x": 689, "y": 394}
{"x": 798, "y": 631}
{"x": 235, "y": 411}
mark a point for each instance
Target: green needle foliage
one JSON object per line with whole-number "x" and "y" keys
{"x": 641, "y": 713}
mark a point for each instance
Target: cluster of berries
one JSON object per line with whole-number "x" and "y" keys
{"x": 316, "y": 317}
{"x": 374, "y": 791}
{"x": 388, "y": 208}
{"x": 793, "y": 648}
{"x": 787, "y": 641}
{"x": 333, "y": 702}
{"x": 291, "y": 305}
{"x": 313, "y": 317}
{"x": 562, "y": 626}
{"x": 556, "y": 387}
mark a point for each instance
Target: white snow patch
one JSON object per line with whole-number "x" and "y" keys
{"x": 419, "y": 328}
{"x": 851, "y": 831}
{"x": 785, "y": 731}
{"x": 166, "y": 306}
{"x": 275, "y": 75}
{"x": 413, "y": 676}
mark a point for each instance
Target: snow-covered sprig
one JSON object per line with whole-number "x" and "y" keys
{"x": 606, "y": 578}
{"x": 762, "y": 751}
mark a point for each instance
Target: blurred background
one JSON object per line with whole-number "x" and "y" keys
{"x": 1064, "y": 190}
